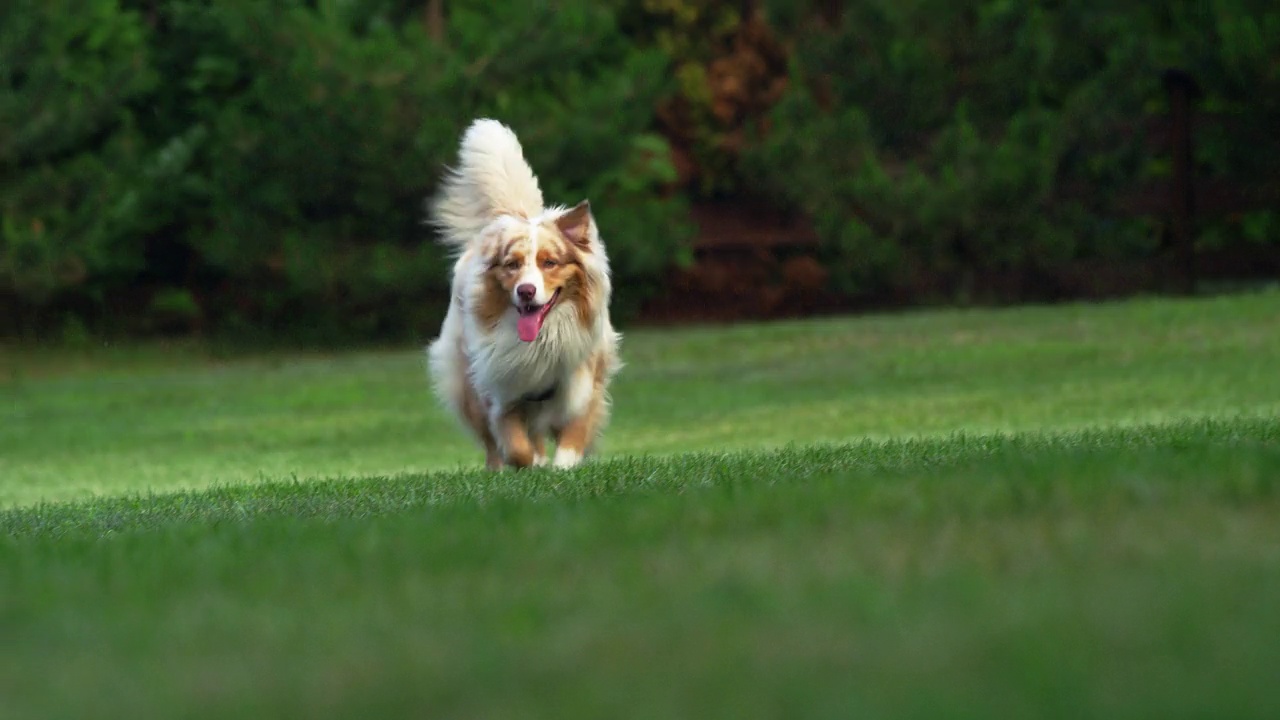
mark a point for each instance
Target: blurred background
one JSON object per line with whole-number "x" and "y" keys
{"x": 257, "y": 170}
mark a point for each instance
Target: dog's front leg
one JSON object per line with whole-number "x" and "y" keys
{"x": 573, "y": 441}
{"x": 539, "y": 442}
{"x": 513, "y": 436}
{"x": 492, "y": 455}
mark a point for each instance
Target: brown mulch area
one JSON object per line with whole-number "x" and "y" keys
{"x": 754, "y": 263}
{"x": 750, "y": 262}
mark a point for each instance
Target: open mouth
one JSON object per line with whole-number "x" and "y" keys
{"x": 531, "y": 317}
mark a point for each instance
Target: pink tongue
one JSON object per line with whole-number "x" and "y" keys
{"x": 528, "y": 325}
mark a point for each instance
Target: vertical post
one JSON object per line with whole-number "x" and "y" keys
{"x": 831, "y": 11}
{"x": 1182, "y": 89}
{"x": 433, "y": 20}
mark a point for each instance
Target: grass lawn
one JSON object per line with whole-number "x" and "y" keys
{"x": 1065, "y": 512}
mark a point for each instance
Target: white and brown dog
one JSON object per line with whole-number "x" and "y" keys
{"x": 526, "y": 349}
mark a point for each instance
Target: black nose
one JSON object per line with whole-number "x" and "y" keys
{"x": 526, "y": 292}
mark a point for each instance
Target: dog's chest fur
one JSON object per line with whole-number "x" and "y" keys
{"x": 511, "y": 369}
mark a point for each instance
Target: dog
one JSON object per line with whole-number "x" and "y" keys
{"x": 527, "y": 349}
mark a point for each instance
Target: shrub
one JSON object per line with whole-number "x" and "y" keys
{"x": 933, "y": 142}
{"x": 729, "y": 67}
{"x": 271, "y": 181}
{"x": 259, "y": 168}
{"x": 69, "y": 147}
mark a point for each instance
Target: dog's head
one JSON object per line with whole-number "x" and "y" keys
{"x": 550, "y": 263}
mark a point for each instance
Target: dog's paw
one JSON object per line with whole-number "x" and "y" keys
{"x": 539, "y": 460}
{"x": 567, "y": 458}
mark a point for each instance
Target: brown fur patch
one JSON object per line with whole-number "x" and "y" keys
{"x": 580, "y": 433}
{"x": 476, "y": 413}
{"x": 519, "y": 451}
{"x": 575, "y": 225}
{"x": 567, "y": 275}
{"x": 508, "y": 251}
{"x": 494, "y": 301}
{"x": 499, "y": 279}
{"x": 585, "y": 299}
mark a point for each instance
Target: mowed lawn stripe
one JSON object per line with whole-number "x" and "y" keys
{"x": 157, "y": 419}
{"x": 1111, "y": 573}
{"x": 338, "y": 498}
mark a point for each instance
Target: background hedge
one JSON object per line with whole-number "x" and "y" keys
{"x": 941, "y": 141}
{"x": 258, "y": 169}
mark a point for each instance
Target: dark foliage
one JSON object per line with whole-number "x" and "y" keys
{"x": 258, "y": 169}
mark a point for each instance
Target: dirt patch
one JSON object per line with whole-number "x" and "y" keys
{"x": 752, "y": 262}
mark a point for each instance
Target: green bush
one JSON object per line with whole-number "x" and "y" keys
{"x": 70, "y": 147}
{"x": 259, "y": 168}
{"x": 270, "y": 179}
{"x": 728, "y": 67}
{"x": 935, "y": 141}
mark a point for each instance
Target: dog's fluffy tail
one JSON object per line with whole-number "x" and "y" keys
{"x": 492, "y": 178}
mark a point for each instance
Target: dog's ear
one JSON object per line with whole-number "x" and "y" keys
{"x": 575, "y": 225}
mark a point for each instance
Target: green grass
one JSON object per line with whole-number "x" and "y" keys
{"x": 122, "y": 420}
{"x": 1044, "y": 512}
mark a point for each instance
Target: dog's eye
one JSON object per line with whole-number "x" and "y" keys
{"x": 512, "y": 265}
{"x": 549, "y": 263}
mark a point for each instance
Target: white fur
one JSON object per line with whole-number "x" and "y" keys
{"x": 492, "y": 179}
{"x": 492, "y": 189}
{"x": 530, "y": 273}
{"x": 566, "y": 458}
